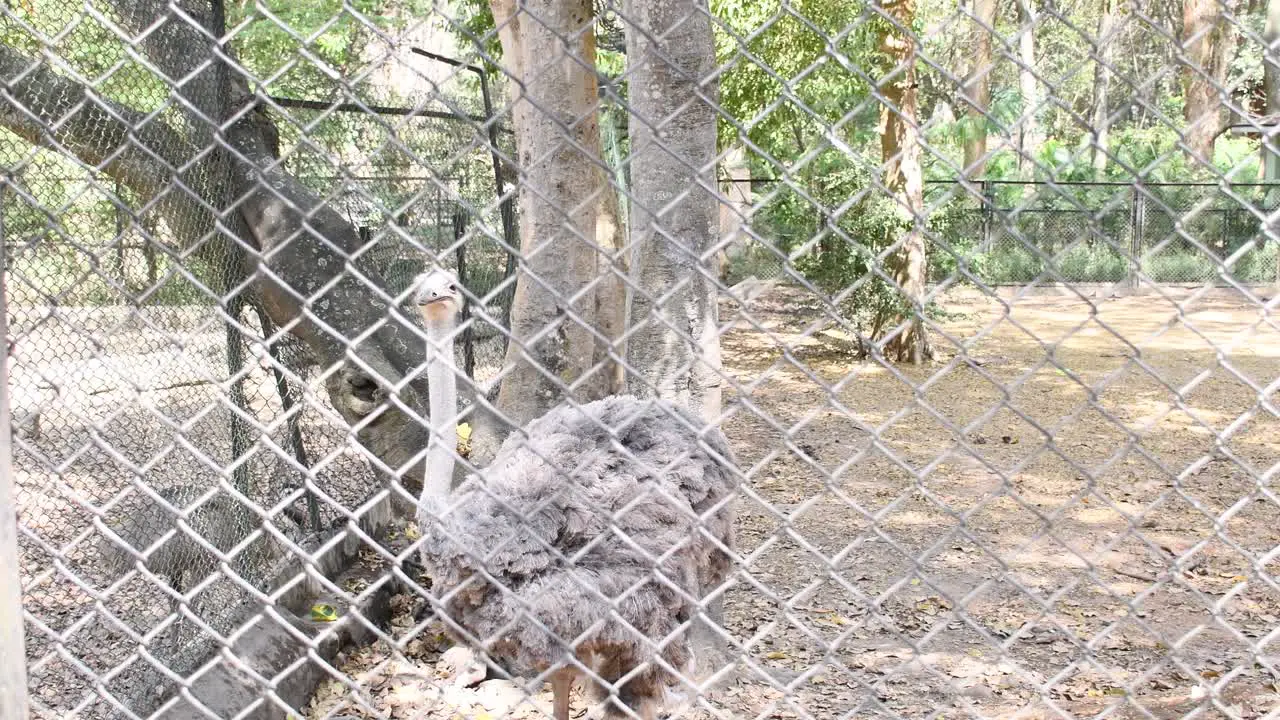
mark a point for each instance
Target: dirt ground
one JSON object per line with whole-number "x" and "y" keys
{"x": 1068, "y": 512}
{"x": 104, "y": 399}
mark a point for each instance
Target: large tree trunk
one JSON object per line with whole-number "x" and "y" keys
{"x": 1102, "y": 85}
{"x": 904, "y": 177}
{"x": 297, "y": 268}
{"x": 556, "y": 333}
{"x": 1204, "y": 39}
{"x": 977, "y": 88}
{"x": 1270, "y": 140}
{"x": 1271, "y": 59}
{"x": 673, "y": 345}
{"x": 1029, "y": 139}
{"x": 612, "y": 263}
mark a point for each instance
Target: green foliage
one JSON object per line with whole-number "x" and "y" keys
{"x": 1007, "y": 265}
{"x": 1258, "y": 265}
{"x": 797, "y": 87}
{"x": 1179, "y": 267}
{"x": 304, "y": 49}
{"x": 1090, "y": 262}
{"x": 1015, "y": 264}
{"x": 789, "y": 83}
{"x": 754, "y": 261}
{"x": 1255, "y": 266}
{"x": 64, "y": 235}
{"x": 70, "y": 254}
{"x": 842, "y": 253}
{"x": 89, "y": 48}
{"x": 473, "y": 25}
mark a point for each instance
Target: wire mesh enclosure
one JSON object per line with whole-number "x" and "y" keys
{"x": 1080, "y": 233}
{"x": 703, "y": 359}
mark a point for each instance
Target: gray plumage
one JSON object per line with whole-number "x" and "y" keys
{"x": 586, "y": 529}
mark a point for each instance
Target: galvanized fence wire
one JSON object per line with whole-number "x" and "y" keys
{"x": 220, "y": 393}
{"x": 1128, "y": 234}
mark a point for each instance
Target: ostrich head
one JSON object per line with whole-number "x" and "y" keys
{"x": 439, "y": 299}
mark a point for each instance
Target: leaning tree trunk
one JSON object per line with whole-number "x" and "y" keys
{"x": 903, "y": 176}
{"x": 673, "y": 348}
{"x": 280, "y": 235}
{"x": 226, "y": 201}
{"x": 977, "y": 89}
{"x": 556, "y": 331}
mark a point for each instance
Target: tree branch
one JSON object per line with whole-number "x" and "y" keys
{"x": 53, "y": 111}
{"x": 304, "y": 249}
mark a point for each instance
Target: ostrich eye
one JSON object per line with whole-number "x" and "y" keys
{"x": 453, "y": 288}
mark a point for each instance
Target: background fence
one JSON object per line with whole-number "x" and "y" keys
{"x": 954, "y": 496}
{"x": 1162, "y": 233}
{"x": 1012, "y": 233}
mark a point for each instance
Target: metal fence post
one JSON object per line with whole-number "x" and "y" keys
{"x": 13, "y": 656}
{"x": 506, "y": 202}
{"x": 460, "y": 219}
{"x": 1137, "y": 218}
{"x": 988, "y": 211}
{"x": 118, "y": 213}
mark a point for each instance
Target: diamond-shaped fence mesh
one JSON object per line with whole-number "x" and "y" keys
{"x": 658, "y": 359}
{"x": 1079, "y": 233}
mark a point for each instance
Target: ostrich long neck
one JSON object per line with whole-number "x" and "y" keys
{"x": 443, "y": 389}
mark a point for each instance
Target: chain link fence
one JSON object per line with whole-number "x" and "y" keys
{"x": 501, "y": 360}
{"x": 1013, "y": 233}
{"x": 1133, "y": 234}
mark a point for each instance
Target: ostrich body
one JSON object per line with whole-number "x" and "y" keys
{"x": 580, "y": 545}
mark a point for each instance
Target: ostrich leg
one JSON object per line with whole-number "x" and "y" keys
{"x": 561, "y": 683}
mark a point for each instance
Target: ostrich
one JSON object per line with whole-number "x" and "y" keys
{"x": 581, "y": 545}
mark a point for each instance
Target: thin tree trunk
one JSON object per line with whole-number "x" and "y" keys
{"x": 977, "y": 88}
{"x": 554, "y": 349}
{"x": 1202, "y": 39}
{"x": 1029, "y": 139}
{"x": 904, "y": 177}
{"x": 673, "y": 348}
{"x": 1101, "y": 86}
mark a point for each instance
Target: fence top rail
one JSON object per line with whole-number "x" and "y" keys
{"x": 1099, "y": 183}
{"x": 1077, "y": 183}
{"x": 362, "y": 108}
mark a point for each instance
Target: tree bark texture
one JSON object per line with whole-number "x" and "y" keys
{"x": 977, "y": 88}
{"x": 274, "y": 231}
{"x": 904, "y": 177}
{"x": 611, "y": 291}
{"x": 1271, "y": 58}
{"x": 557, "y": 336}
{"x": 1029, "y": 138}
{"x": 1271, "y": 143}
{"x": 673, "y": 346}
{"x": 1205, "y": 36}
{"x": 1102, "y": 85}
